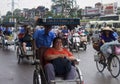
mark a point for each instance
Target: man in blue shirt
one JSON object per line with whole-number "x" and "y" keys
{"x": 65, "y": 30}
{"x": 44, "y": 37}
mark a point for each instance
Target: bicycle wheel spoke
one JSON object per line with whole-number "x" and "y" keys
{"x": 101, "y": 64}
{"x": 115, "y": 66}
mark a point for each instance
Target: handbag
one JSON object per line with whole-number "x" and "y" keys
{"x": 61, "y": 65}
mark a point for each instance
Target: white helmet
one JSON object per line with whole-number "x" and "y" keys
{"x": 76, "y": 34}
{"x": 82, "y": 34}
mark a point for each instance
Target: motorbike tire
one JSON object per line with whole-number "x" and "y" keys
{"x": 84, "y": 47}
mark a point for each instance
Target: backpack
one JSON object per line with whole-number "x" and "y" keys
{"x": 61, "y": 65}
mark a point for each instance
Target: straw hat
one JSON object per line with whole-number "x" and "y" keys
{"x": 107, "y": 29}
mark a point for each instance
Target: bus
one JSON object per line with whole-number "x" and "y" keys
{"x": 109, "y": 20}
{"x": 109, "y": 17}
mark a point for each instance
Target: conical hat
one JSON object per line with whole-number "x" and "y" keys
{"x": 107, "y": 29}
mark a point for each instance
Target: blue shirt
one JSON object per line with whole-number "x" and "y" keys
{"x": 64, "y": 31}
{"x": 7, "y": 32}
{"x": 108, "y": 39}
{"x": 116, "y": 35}
{"x": 43, "y": 40}
{"x": 22, "y": 30}
{"x": 1, "y": 28}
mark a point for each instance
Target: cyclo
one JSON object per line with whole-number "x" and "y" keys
{"x": 7, "y": 36}
{"x": 112, "y": 62}
{"x": 39, "y": 76}
{"x": 24, "y": 42}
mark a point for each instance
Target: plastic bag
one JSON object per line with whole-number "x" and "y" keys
{"x": 117, "y": 50}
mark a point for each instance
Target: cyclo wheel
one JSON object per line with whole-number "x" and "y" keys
{"x": 39, "y": 77}
{"x": 79, "y": 76}
{"x": 76, "y": 47}
{"x": 19, "y": 53}
{"x": 84, "y": 47}
{"x": 100, "y": 64}
{"x": 36, "y": 77}
{"x": 114, "y": 66}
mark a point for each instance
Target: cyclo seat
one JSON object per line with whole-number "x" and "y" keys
{"x": 40, "y": 55}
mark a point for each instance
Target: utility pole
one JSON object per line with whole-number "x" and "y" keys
{"x": 12, "y": 9}
{"x": 0, "y": 18}
{"x": 12, "y": 19}
{"x": 12, "y": 5}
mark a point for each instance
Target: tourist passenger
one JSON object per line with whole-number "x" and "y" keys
{"x": 57, "y": 51}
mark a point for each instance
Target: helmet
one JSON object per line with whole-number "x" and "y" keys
{"x": 65, "y": 34}
{"x": 76, "y": 34}
{"x": 82, "y": 34}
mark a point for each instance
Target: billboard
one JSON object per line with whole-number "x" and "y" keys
{"x": 92, "y": 11}
{"x": 108, "y": 9}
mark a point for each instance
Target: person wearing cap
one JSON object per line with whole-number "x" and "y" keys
{"x": 107, "y": 38}
{"x": 107, "y": 35}
{"x": 44, "y": 37}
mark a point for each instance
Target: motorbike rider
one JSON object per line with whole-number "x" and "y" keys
{"x": 65, "y": 34}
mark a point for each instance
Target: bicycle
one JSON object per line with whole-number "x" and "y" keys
{"x": 112, "y": 63}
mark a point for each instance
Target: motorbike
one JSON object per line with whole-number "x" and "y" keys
{"x": 83, "y": 41}
{"x": 65, "y": 40}
{"x": 74, "y": 42}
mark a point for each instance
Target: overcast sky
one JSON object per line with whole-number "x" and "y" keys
{"x": 5, "y": 5}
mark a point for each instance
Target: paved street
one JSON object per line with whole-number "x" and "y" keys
{"x": 13, "y": 73}
{"x": 90, "y": 72}
{"x": 73, "y": 20}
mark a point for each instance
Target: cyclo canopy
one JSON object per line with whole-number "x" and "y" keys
{"x": 70, "y": 22}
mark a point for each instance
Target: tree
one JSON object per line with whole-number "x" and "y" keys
{"x": 17, "y": 12}
{"x": 9, "y": 13}
{"x": 67, "y": 7}
{"x": 48, "y": 14}
{"x": 79, "y": 13}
